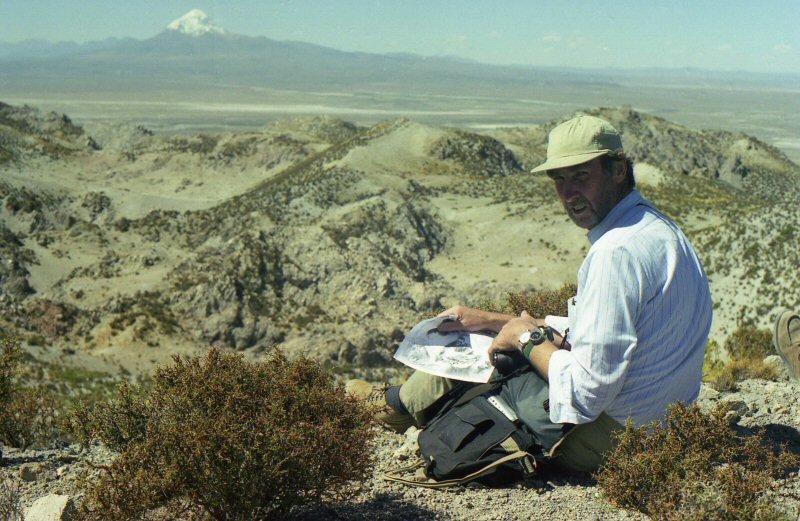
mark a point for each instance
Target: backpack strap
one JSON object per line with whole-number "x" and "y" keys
{"x": 419, "y": 480}
{"x": 527, "y": 462}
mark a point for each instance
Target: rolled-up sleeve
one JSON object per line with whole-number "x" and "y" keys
{"x": 585, "y": 380}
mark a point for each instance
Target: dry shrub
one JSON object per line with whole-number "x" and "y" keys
{"x": 31, "y": 418}
{"x": 541, "y": 303}
{"x": 749, "y": 342}
{"x": 747, "y": 347}
{"x": 27, "y": 416}
{"x": 694, "y": 467}
{"x": 221, "y": 437}
{"x": 10, "y": 507}
{"x": 10, "y": 357}
{"x": 737, "y": 370}
{"x": 115, "y": 422}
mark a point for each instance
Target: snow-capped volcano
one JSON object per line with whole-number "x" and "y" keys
{"x": 194, "y": 23}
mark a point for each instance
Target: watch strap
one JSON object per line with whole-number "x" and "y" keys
{"x": 538, "y": 336}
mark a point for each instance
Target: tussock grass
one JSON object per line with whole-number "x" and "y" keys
{"x": 746, "y": 347}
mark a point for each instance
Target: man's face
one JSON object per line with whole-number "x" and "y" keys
{"x": 586, "y": 192}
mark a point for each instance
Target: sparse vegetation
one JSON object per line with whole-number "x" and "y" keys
{"x": 10, "y": 507}
{"x": 737, "y": 370}
{"x": 541, "y": 303}
{"x": 695, "y": 467}
{"x": 147, "y": 312}
{"x": 746, "y": 348}
{"x": 749, "y": 342}
{"x": 198, "y": 144}
{"x": 222, "y": 437}
{"x": 28, "y": 416}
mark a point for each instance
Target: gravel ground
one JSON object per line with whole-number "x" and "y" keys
{"x": 774, "y": 406}
{"x": 757, "y": 403}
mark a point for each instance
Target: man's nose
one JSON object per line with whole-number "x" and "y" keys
{"x": 569, "y": 191}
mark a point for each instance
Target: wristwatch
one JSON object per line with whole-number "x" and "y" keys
{"x": 532, "y": 338}
{"x": 524, "y": 338}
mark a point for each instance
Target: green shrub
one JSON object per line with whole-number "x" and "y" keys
{"x": 221, "y": 437}
{"x": 28, "y": 416}
{"x": 694, "y": 467}
{"x": 748, "y": 342}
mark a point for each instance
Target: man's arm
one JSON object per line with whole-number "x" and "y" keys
{"x": 471, "y": 319}
{"x": 585, "y": 381}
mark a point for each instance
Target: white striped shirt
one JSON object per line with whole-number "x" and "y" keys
{"x": 640, "y": 324}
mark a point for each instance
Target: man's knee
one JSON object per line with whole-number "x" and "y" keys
{"x": 421, "y": 391}
{"x": 586, "y": 447}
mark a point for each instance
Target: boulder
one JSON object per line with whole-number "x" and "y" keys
{"x": 53, "y": 507}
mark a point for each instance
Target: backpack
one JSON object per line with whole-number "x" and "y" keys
{"x": 476, "y": 437}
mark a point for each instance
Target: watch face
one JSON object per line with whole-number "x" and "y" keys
{"x": 524, "y": 337}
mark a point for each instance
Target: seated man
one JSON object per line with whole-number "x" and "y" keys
{"x": 638, "y": 326}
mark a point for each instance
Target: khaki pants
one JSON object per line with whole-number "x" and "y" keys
{"x": 582, "y": 448}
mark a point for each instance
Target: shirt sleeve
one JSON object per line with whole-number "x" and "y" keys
{"x": 585, "y": 380}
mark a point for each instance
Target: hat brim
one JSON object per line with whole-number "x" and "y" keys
{"x": 571, "y": 160}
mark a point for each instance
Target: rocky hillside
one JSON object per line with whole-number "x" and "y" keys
{"x": 331, "y": 239}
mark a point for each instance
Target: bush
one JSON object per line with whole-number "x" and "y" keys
{"x": 10, "y": 507}
{"x": 746, "y": 347}
{"x": 117, "y": 423}
{"x": 225, "y": 438}
{"x": 10, "y": 357}
{"x": 748, "y": 342}
{"x": 27, "y": 416}
{"x": 541, "y": 303}
{"x": 737, "y": 370}
{"x": 694, "y": 467}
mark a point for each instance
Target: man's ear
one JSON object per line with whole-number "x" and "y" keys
{"x": 620, "y": 170}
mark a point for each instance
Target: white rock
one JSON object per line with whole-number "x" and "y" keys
{"x": 708, "y": 393}
{"x": 54, "y": 507}
{"x": 776, "y": 362}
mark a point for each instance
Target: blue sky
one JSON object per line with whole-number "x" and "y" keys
{"x": 762, "y": 36}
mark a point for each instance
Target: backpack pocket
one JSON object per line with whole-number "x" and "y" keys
{"x": 467, "y": 438}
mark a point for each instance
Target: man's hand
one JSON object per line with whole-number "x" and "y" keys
{"x": 471, "y": 319}
{"x": 508, "y": 337}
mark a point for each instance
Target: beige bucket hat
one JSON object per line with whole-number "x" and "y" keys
{"x": 579, "y": 140}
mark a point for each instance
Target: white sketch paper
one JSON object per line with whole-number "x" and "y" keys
{"x": 460, "y": 355}
{"x": 560, "y": 324}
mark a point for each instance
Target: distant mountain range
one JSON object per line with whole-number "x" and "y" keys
{"x": 194, "y": 54}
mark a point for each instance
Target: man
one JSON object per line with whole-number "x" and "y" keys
{"x": 639, "y": 323}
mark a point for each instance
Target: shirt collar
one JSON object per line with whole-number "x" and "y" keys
{"x": 629, "y": 201}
